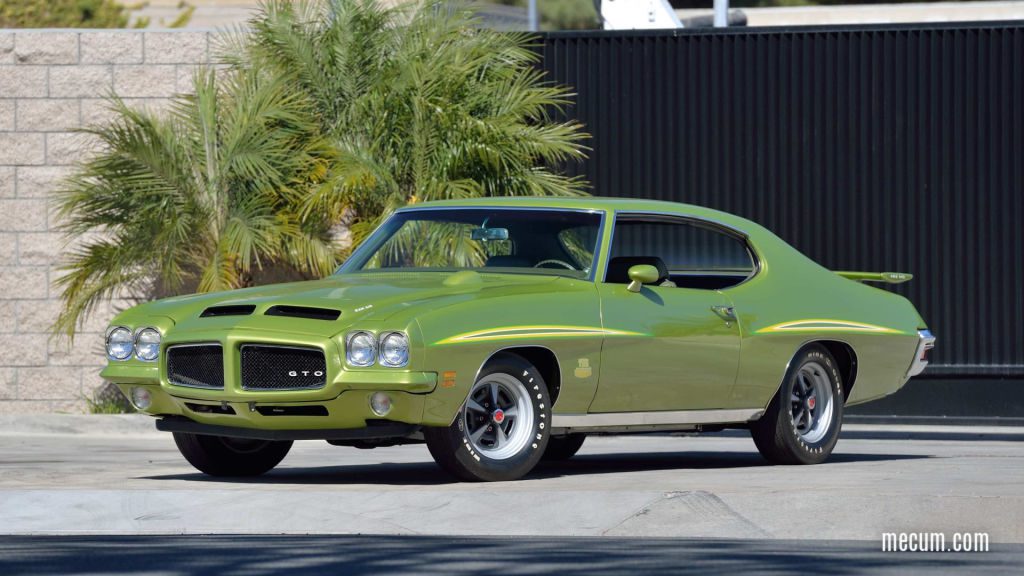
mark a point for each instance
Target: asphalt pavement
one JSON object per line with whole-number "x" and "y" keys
{"x": 221, "y": 555}
{"x": 69, "y": 485}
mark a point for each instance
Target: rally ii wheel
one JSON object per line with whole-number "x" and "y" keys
{"x": 220, "y": 456}
{"x": 502, "y": 429}
{"x": 802, "y": 423}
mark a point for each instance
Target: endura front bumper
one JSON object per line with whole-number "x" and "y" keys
{"x": 375, "y": 430}
{"x": 342, "y": 403}
{"x": 350, "y": 409}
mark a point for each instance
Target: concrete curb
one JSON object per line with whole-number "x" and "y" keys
{"x": 77, "y": 424}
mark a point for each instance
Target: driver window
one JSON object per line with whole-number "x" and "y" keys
{"x": 688, "y": 254}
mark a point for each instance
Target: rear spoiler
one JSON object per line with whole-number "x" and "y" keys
{"x": 887, "y": 277}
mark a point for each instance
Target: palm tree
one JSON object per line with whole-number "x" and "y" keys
{"x": 197, "y": 199}
{"x": 417, "y": 102}
{"x": 330, "y": 112}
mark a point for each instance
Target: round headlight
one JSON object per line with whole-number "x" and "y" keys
{"x": 361, "y": 349}
{"x": 394, "y": 349}
{"x": 120, "y": 343}
{"x": 147, "y": 344}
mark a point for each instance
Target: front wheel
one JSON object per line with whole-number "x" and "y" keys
{"x": 221, "y": 456}
{"x": 502, "y": 429}
{"x": 802, "y": 423}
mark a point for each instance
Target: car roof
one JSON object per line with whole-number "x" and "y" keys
{"x": 604, "y": 204}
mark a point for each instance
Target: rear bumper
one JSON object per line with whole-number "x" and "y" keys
{"x": 926, "y": 341}
{"x": 377, "y": 430}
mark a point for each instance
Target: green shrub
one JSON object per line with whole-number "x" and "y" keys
{"x": 563, "y": 14}
{"x": 107, "y": 399}
{"x": 62, "y": 14}
{"x": 79, "y": 14}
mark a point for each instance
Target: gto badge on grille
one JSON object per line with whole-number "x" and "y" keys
{"x": 294, "y": 373}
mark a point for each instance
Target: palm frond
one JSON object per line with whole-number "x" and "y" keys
{"x": 327, "y": 111}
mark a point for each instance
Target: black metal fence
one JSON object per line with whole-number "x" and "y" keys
{"x": 888, "y": 148}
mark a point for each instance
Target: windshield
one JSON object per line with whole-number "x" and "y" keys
{"x": 516, "y": 240}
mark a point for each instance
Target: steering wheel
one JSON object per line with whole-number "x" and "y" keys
{"x": 554, "y": 261}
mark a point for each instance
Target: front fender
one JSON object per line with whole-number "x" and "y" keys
{"x": 458, "y": 341}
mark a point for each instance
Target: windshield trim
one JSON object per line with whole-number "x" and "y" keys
{"x": 357, "y": 254}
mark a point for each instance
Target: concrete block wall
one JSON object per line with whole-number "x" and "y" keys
{"x": 52, "y": 82}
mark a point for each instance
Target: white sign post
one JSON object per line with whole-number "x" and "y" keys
{"x": 721, "y": 13}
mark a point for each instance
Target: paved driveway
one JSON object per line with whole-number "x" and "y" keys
{"x": 129, "y": 480}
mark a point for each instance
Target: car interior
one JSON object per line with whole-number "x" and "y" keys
{"x": 686, "y": 253}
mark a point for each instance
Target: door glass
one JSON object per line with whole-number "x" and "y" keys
{"x": 687, "y": 253}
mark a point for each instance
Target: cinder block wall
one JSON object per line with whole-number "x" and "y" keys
{"x": 51, "y": 82}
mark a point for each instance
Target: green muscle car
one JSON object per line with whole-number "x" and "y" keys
{"x": 503, "y": 331}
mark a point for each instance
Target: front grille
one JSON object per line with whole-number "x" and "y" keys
{"x": 266, "y": 367}
{"x": 196, "y": 365}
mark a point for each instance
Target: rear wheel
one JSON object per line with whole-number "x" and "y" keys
{"x": 221, "y": 456}
{"x": 502, "y": 430}
{"x": 802, "y": 423}
{"x": 563, "y": 447}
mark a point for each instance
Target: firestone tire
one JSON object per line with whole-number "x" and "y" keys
{"x": 502, "y": 429}
{"x": 563, "y": 447}
{"x": 803, "y": 421}
{"x": 220, "y": 456}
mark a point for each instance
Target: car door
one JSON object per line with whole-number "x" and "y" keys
{"x": 674, "y": 345}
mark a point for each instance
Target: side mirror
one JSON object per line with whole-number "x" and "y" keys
{"x": 641, "y": 274}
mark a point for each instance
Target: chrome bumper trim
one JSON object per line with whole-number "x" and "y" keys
{"x": 926, "y": 341}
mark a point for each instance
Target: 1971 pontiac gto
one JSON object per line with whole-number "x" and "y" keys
{"x": 504, "y": 331}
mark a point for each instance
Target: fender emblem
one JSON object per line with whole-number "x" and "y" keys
{"x": 583, "y": 370}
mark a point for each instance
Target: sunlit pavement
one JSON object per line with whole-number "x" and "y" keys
{"x": 125, "y": 480}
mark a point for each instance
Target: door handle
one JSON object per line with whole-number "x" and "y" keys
{"x": 727, "y": 313}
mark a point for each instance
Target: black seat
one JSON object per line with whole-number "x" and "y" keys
{"x": 507, "y": 262}
{"x": 618, "y": 268}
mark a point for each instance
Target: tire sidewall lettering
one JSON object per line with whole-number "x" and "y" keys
{"x": 539, "y": 430}
{"x": 829, "y": 439}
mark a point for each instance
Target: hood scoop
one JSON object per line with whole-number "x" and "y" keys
{"x": 235, "y": 310}
{"x": 304, "y": 312}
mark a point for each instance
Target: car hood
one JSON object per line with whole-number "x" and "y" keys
{"x": 358, "y": 297}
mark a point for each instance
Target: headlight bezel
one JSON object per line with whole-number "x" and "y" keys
{"x": 130, "y": 341}
{"x": 380, "y": 349}
{"x": 348, "y": 348}
{"x": 138, "y": 335}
